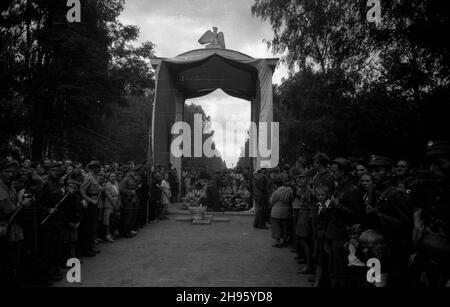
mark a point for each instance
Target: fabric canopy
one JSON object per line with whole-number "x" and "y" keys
{"x": 199, "y": 72}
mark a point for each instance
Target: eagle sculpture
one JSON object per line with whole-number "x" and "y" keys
{"x": 212, "y": 39}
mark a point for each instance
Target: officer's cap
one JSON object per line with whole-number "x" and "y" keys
{"x": 343, "y": 163}
{"x": 7, "y": 163}
{"x": 321, "y": 157}
{"x": 438, "y": 148}
{"x": 73, "y": 181}
{"x": 380, "y": 161}
{"x": 94, "y": 164}
{"x": 54, "y": 165}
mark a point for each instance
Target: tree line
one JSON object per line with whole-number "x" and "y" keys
{"x": 357, "y": 88}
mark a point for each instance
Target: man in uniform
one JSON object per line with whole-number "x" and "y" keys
{"x": 50, "y": 233}
{"x": 130, "y": 203}
{"x": 10, "y": 235}
{"x": 389, "y": 214}
{"x": 90, "y": 190}
{"x": 432, "y": 219}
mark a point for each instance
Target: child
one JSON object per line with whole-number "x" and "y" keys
{"x": 372, "y": 244}
{"x": 71, "y": 212}
{"x": 358, "y": 269}
{"x": 323, "y": 195}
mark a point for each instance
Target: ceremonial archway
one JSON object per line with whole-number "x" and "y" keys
{"x": 199, "y": 72}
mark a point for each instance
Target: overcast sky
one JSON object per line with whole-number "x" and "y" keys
{"x": 175, "y": 26}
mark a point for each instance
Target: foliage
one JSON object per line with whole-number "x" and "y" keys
{"x": 357, "y": 88}
{"x": 62, "y": 76}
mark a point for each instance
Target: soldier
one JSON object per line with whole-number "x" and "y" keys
{"x": 90, "y": 190}
{"x": 346, "y": 209}
{"x": 11, "y": 235}
{"x": 432, "y": 219}
{"x": 389, "y": 214}
{"x": 50, "y": 233}
{"x": 130, "y": 203}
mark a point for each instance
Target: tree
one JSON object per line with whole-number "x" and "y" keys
{"x": 63, "y": 76}
{"x": 360, "y": 86}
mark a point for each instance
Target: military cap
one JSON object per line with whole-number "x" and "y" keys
{"x": 73, "y": 181}
{"x": 93, "y": 164}
{"x": 5, "y": 163}
{"x": 53, "y": 165}
{"x": 438, "y": 148}
{"x": 301, "y": 160}
{"x": 138, "y": 167}
{"x": 346, "y": 164}
{"x": 380, "y": 161}
{"x": 321, "y": 157}
{"x": 303, "y": 174}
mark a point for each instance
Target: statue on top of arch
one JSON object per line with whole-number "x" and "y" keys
{"x": 213, "y": 39}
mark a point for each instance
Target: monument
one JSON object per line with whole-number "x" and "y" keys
{"x": 199, "y": 72}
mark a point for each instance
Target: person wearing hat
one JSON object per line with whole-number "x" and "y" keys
{"x": 90, "y": 190}
{"x": 11, "y": 236}
{"x": 432, "y": 219}
{"x": 388, "y": 213}
{"x": 346, "y": 209}
{"x": 50, "y": 233}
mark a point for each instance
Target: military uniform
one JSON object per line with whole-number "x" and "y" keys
{"x": 393, "y": 218}
{"x": 434, "y": 246}
{"x": 130, "y": 203}
{"x": 50, "y": 233}
{"x": 91, "y": 188}
{"x": 348, "y": 211}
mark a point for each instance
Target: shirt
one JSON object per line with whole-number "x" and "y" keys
{"x": 281, "y": 201}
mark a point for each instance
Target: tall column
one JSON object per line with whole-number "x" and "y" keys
{"x": 177, "y": 161}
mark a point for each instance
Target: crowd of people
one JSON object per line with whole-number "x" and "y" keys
{"x": 338, "y": 214}
{"x": 342, "y": 214}
{"x": 53, "y": 211}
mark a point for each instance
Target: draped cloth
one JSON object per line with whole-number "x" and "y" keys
{"x": 199, "y": 72}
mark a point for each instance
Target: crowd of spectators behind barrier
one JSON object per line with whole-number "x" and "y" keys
{"x": 339, "y": 213}
{"x": 336, "y": 214}
{"x": 53, "y": 211}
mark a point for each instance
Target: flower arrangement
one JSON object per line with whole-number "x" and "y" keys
{"x": 196, "y": 197}
{"x": 235, "y": 194}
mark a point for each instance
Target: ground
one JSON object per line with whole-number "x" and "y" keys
{"x": 175, "y": 253}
